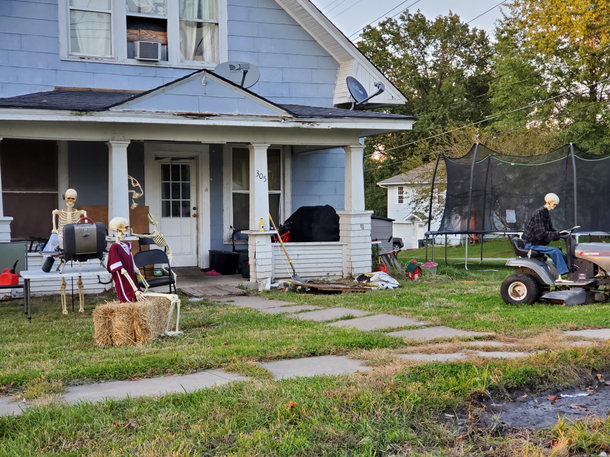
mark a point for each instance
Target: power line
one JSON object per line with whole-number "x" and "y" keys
{"x": 490, "y": 9}
{"x": 489, "y": 118}
{"x": 331, "y": 4}
{"x": 385, "y": 14}
{"x": 349, "y": 7}
{"x": 338, "y": 4}
{"x": 469, "y": 141}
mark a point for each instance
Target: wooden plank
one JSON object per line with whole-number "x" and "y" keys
{"x": 146, "y": 35}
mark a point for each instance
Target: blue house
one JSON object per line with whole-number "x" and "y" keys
{"x": 92, "y": 91}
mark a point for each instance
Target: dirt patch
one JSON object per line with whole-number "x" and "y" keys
{"x": 590, "y": 398}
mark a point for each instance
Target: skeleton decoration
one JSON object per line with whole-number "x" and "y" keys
{"x": 135, "y": 194}
{"x": 118, "y": 262}
{"x": 157, "y": 237}
{"x": 61, "y": 218}
{"x": 551, "y": 200}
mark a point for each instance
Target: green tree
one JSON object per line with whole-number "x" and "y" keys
{"x": 443, "y": 67}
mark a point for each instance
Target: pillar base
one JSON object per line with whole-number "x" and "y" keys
{"x": 260, "y": 255}
{"x": 355, "y": 230}
{"x": 5, "y": 228}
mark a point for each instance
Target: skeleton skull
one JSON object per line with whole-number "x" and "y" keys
{"x": 551, "y": 201}
{"x": 120, "y": 225}
{"x": 70, "y": 197}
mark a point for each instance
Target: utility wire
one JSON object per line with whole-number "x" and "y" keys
{"x": 385, "y": 14}
{"x": 482, "y": 138}
{"x": 338, "y": 4}
{"x": 495, "y": 116}
{"x": 349, "y": 7}
{"x": 490, "y": 9}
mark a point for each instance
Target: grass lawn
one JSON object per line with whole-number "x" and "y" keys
{"x": 396, "y": 409}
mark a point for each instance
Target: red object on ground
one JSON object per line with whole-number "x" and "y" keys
{"x": 213, "y": 273}
{"x": 413, "y": 271}
{"x": 382, "y": 268}
{"x": 8, "y": 279}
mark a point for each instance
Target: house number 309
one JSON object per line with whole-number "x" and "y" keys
{"x": 259, "y": 175}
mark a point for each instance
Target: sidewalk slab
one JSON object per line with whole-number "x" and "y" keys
{"x": 254, "y": 302}
{"x": 149, "y": 387}
{"x": 8, "y": 406}
{"x": 601, "y": 333}
{"x": 289, "y": 309}
{"x": 582, "y": 343}
{"x": 377, "y": 321}
{"x": 432, "y": 333}
{"x": 433, "y": 357}
{"x": 329, "y": 314}
{"x": 327, "y": 365}
{"x": 503, "y": 355}
{"x": 488, "y": 344}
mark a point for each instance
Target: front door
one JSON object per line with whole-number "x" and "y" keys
{"x": 178, "y": 204}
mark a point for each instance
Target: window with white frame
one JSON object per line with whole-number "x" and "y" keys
{"x": 400, "y": 195}
{"x": 187, "y": 32}
{"x": 240, "y": 186}
{"x": 90, "y": 27}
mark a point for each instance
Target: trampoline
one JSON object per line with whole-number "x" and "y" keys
{"x": 492, "y": 193}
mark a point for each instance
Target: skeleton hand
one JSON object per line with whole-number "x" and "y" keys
{"x": 54, "y": 231}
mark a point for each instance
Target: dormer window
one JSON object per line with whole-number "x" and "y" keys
{"x": 182, "y": 33}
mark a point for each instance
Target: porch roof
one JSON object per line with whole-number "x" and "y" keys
{"x": 72, "y": 99}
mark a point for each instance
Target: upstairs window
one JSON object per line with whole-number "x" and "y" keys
{"x": 400, "y": 192}
{"x": 91, "y": 27}
{"x": 189, "y": 33}
{"x": 199, "y": 30}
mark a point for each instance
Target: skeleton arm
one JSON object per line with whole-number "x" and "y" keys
{"x": 54, "y": 214}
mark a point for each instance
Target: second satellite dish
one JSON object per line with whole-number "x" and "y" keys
{"x": 241, "y": 73}
{"x": 359, "y": 93}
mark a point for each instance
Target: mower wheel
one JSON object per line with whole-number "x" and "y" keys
{"x": 520, "y": 288}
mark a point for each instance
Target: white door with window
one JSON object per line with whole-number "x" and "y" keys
{"x": 177, "y": 206}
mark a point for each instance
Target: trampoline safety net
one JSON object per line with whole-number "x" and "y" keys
{"x": 492, "y": 192}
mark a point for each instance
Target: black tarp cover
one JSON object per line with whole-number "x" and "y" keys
{"x": 506, "y": 190}
{"x": 313, "y": 223}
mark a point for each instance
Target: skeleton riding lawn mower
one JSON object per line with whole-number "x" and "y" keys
{"x": 535, "y": 279}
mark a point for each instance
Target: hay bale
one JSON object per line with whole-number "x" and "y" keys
{"x": 102, "y": 321}
{"x": 120, "y": 324}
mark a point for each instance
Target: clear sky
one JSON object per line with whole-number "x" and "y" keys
{"x": 352, "y": 15}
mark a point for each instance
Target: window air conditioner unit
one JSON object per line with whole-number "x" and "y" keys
{"x": 147, "y": 50}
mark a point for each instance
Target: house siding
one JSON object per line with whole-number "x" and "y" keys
{"x": 259, "y": 32}
{"x": 216, "y": 201}
{"x": 318, "y": 179}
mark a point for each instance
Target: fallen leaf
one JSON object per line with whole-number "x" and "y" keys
{"x": 226, "y": 343}
{"x": 290, "y": 405}
{"x": 553, "y": 398}
{"x": 131, "y": 423}
{"x": 579, "y": 407}
{"x": 525, "y": 396}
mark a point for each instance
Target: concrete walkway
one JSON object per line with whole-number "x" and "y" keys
{"x": 306, "y": 367}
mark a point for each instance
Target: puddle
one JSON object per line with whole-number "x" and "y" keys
{"x": 543, "y": 410}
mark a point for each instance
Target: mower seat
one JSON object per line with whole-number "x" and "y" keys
{"x": 520, "y": 251}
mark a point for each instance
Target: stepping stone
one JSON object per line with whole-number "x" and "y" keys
{"x": 582, "y": 343}
{"x": 327, "y": 365}
{"x": 212, "y": 291}
{"x": 377, "y": 321}
{"x": 432, "y": 333}
{"x": 433, "y": 357}
{"x": 149, "y": 387}
{"x": 503, "y": 355}
{"x": 602, "y": 333}
{"x": 329, "y": 314}
{"x": 289, "y": 309}
{"x": 8, "y": 406}
{"x": 488, "y": 344}
{"x": 255, "y": 302}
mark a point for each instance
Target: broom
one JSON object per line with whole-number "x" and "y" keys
{"x": 295, "y": 276}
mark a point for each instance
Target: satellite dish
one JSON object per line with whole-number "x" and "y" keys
{"x": 359, "y": 93}
{"x": 241, "y": 73}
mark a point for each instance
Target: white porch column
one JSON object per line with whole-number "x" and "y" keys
{"x": 355, "y": 222}
{"x": 5, "y": 222}
{"x": 259, "y": 186}
{"x": 118, "y": 184}
{"x": 259, "y": 242}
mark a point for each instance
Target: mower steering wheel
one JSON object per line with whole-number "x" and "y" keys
{"x": 569, "y": 231}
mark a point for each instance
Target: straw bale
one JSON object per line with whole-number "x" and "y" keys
{"x": 102, "y": 321}
{"x": 119, "y": 324}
